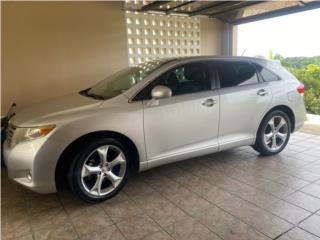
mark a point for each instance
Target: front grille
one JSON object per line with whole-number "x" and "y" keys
{"x": 10, "y": 131}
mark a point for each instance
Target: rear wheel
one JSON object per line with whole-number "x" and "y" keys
{"x": 273, "y": 134}
{"x": 99, "y": 170}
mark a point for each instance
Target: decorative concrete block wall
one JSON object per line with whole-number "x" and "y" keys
{"x": 152, "y": 36}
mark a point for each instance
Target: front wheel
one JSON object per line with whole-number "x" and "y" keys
{"x": 273, "y": 134}
{"x": 99, "y": 170}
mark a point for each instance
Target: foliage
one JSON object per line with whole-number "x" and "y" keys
{"x": 312, "y": 100}
{"x": 301, "y": 62}
{"x": 306, "y": 70}
{"x": 309, "y": 76}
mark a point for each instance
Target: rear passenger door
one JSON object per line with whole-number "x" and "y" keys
{"x": 244, "y": 99}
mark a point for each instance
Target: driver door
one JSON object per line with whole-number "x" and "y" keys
{"x": 185, "y": 124}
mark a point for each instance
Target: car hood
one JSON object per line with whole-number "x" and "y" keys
{"x": 53, "y": 108}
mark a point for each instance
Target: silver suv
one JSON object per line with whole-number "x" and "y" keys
{"x": 152, "y": 114}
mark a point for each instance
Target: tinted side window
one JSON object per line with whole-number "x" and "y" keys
{"x": 236, "y": 74}
{"x": 189, "y": 78}
{"x": 267, "y": 75}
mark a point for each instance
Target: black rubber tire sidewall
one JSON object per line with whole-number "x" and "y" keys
{"x": 260, "y": 144}
{"x": 74, "y": 174}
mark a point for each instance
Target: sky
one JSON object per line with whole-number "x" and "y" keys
{"x": 291, "y": 36}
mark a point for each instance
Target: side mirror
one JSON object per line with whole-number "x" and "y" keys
{"x": 161, "y": 91}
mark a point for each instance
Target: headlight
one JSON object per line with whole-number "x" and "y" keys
{"x": 22, "y": 134}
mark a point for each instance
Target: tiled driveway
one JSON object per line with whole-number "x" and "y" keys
{"x": 230, "y": 195}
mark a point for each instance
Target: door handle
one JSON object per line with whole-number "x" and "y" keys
{"x": 209, "y": 102}
{"x": 262, "y": 92}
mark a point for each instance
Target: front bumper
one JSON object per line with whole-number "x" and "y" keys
{"x": 36, "y": 157}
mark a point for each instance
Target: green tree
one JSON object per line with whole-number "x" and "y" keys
{"x": 312, "y": 100}
{"x": 306, "y": 70}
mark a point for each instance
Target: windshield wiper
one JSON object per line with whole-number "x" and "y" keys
{"x": 92, "y": 95}
{"x": 95, "y": 96}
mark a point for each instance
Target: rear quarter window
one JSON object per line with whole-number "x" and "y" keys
{"x": 281, "y": 71}
{"x": 236, "y": 73}
{"x": 267, "y": 75}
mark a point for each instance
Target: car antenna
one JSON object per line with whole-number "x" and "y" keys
{"x": 244, "y": 52}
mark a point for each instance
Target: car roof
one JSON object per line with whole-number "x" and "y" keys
{"x": 258, "y": 60}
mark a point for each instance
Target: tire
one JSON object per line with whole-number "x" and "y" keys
{"x": 264, "y": 143}
{"x": 90, "y": 174}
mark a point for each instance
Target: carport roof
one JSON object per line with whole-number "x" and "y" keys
{"x": 233, "y": 12}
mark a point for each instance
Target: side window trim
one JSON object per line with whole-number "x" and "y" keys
{"x": 260, "y": 78}
{"x": 204, "y": 63}
{"x": 214, "y": 75}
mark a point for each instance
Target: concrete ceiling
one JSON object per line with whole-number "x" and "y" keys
{"x": 233, "y": 12}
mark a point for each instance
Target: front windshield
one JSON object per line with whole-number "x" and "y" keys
{"x": 122, "y": 80}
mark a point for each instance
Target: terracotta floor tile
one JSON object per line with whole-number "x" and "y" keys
{"x": 312, "y": 225}
{"x": 37, "y": 202}
{"x": 313, "y": 167}
{"x": 290, "y": 181}
{"x": 304, "y": 175}
{"x": 206, "y": 190}
{"x": 120, "y": 197}
{"x": 189, "y": 201}
{"x": 174, "y": 173}
{"x": 214, "y": 194}
{"x": 317, "y": 182}
{"x": 160, "y": 209}
{"x": 87, "y": 218}
{"x": 259, "y": 198}
{"x": 289, "y": 212}
{"x": 26, "y": 237}
{"x": 136, "y": 187}
{"x": 190, "y": 229}
{"x": 270, "y": 163}
{"x": 233, "y": 186}
{"x": 247, "y": 192}
{"x": 62, "y": 232}
{"x": 12, "y": 194}
{"x": 161, "y": 235}
{"x": 291, "y": 161}
{"x": 276, "y": 189}
{"x": 306, "y": 157}
{"x": 50, "y": 218}
{"x": 227, "y": 226}
{"x": 138, "y": 227}
{"x": 298, "y": 234}
{"x": 119, "y": 211}
{"x": 15, "y": 227}
{"x": 66, "y": 196}
{"x": 312, "y": 189}
{"x": 305, "y": 201}
{"x": 108, "y": 233}
{"x": 260, "y": 219}
{"x": 248, "y": 178}
{"x": 162, "y": 184}
{"x": 266, "y": 173}
{"x": 13, "y": 212}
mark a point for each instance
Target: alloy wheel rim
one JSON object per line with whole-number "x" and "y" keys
{"x": 103, "y": 170}
{"x": 276, "y": 133}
